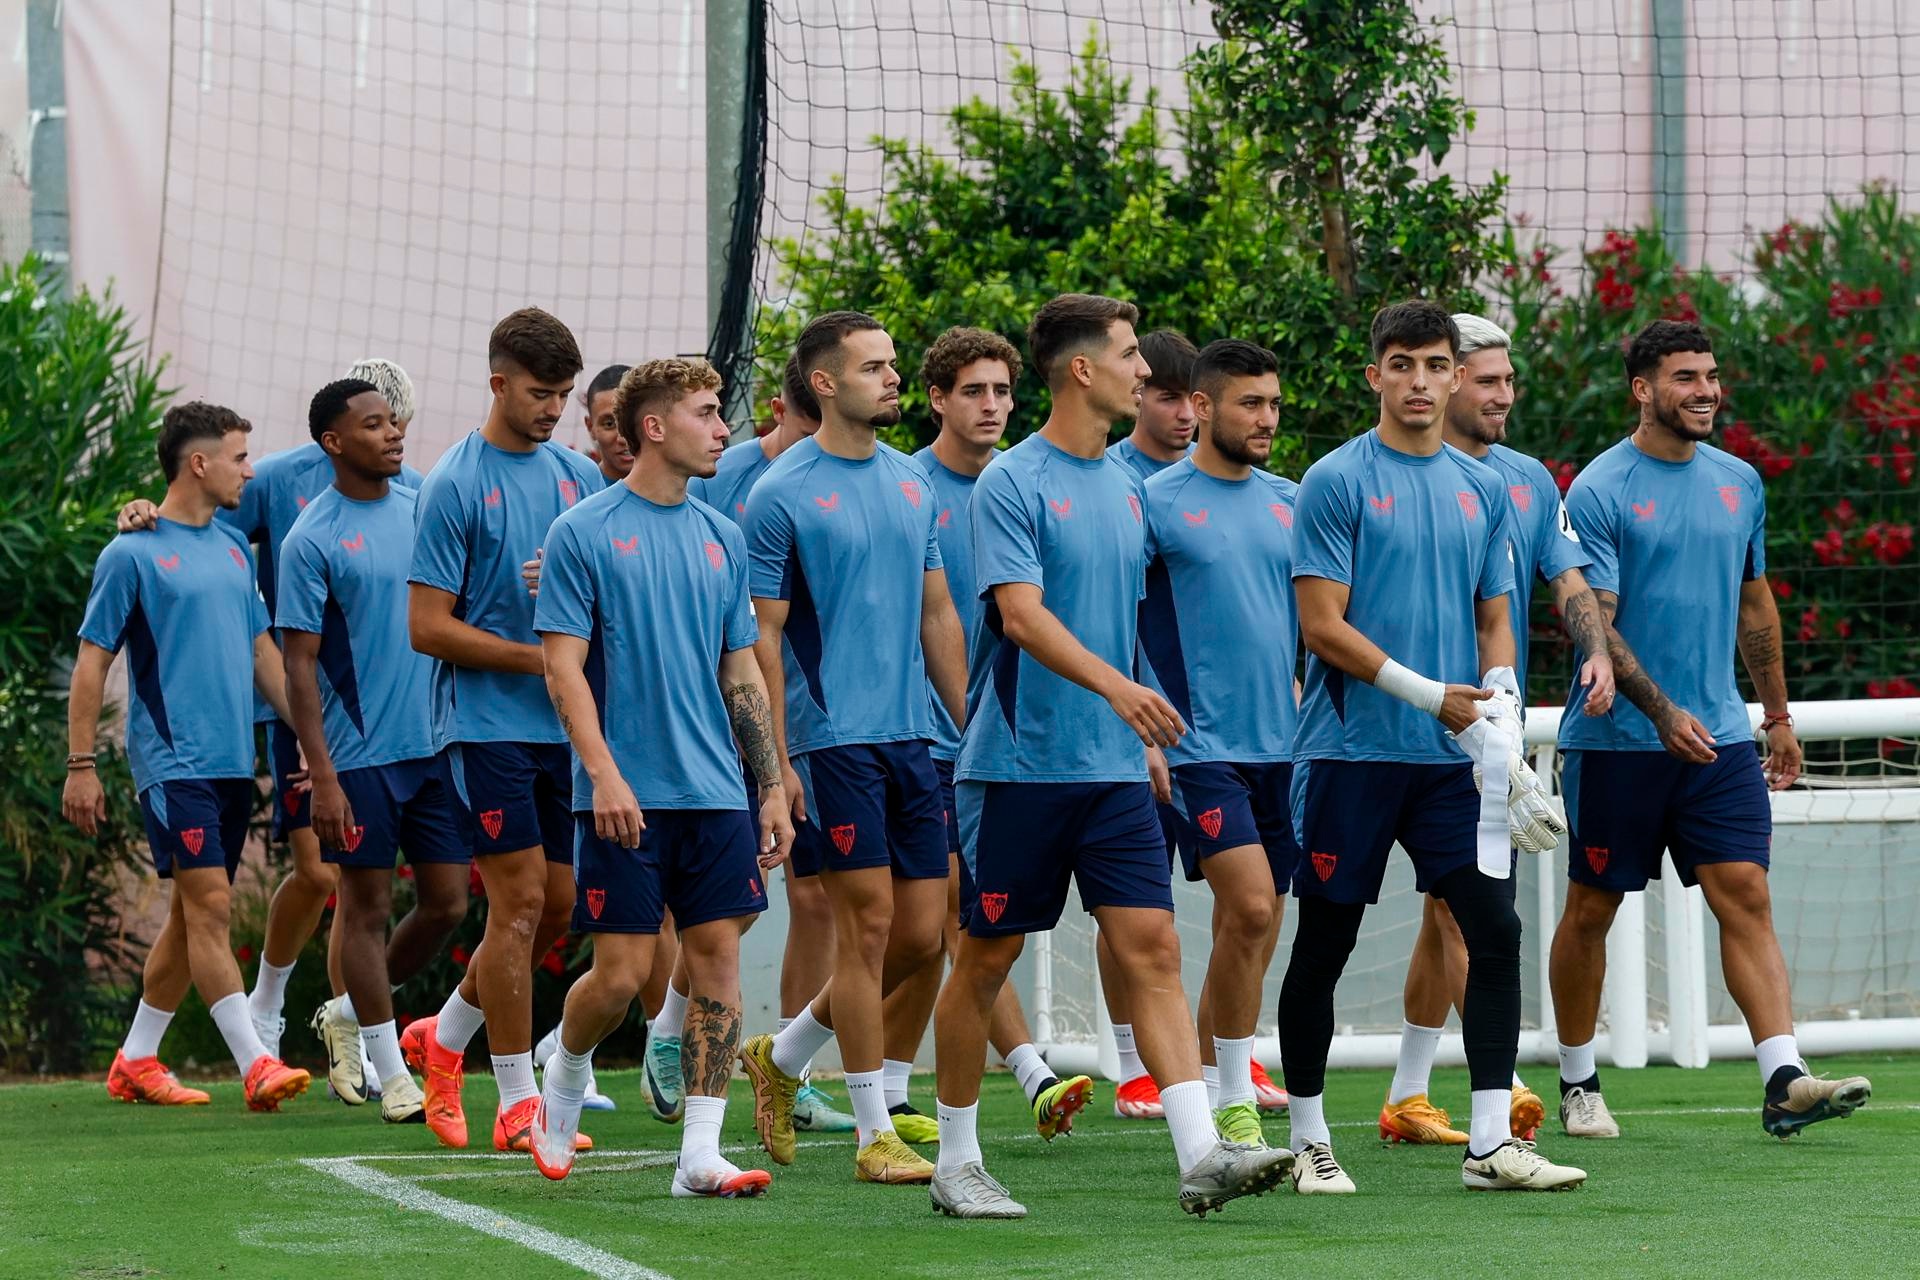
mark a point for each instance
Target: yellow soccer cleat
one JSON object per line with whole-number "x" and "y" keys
{"x": 1526, "y": 1113}
{"x": 1055, "y": 1106}
{"x": 913, "y": 1126}
{"x": 1240, "y": 1123}
{"x": 888, "y": 1160}
{"x": 773, "y": 1095}
{"x": 1415, "y": 1120}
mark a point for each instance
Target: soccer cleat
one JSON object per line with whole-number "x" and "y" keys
{"x": 1415, "y": 1120}
{"x": 1515, "y": 1166}
{"x": 773, "y": 1096}
{"x": 1267, "y": 1095}
{"x": 813, "y": 1112}
{"x": 913, "y": 1126}
{"x": 721, "y": 1180}
{"x": 270, "y": 1029}
{"x": 660, "y": 1077}
{"x": 513, "y": 1128}
{"x": 1138, "y": 1099}
{"x": 271, "y": 1082}
{"x": 443, "y": 1069}
{"x": 369, "y": 1074}
{"x": 887, "y": 1159}
{"x": 1317, "y": 1173}
{"x": 1231, "y": 1170}
{"x": 595, "y": 1100}
{"x": 345, "y": 1074}
{"x": 148, "y": 1080}
{"x": 1809, "y": 1099}
{"x": 401, "y": 1101}
{"x": 1055, "y": 1106}
{"x": 550, "y": 1137}
{"x": 972, "y": 1192}
{"x": 1525, "y": 1113}
{"x": 1585, "y": 1115}
{"x": 1240, "y": 1123}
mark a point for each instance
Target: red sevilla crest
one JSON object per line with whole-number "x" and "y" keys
{"x": 911, "y": 488}
{"x": 596, "y": 902}
{"x": 1469, "y": 503}
{"x": 993, "y": 906}
{"x": 1323, "y": 864}
{"x": 843, "y": 837}
{"x": 1522, "y": 495}
{"x": 195, "y": 839}
{"x": 491, "y": 820}
{"x": 1209, "y": 822}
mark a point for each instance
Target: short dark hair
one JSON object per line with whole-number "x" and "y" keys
{"x": 608, "y": 379}
{"x": 1070, "y": 322}
{"x": 1413, "y": 324}
{"x": 1171, "y": 354}
{"x": 655, "y": 386}
{"x": 330, "y": 401}
{"x": 186, "y": 425}
{"x": 794, "y": 390}
{"x": 1661, "y": 339}
{"x": 959, "y": 347}
{"x": 819, "y": 345}
{"x": 1230, "y": 358}
{"x": 538, "y": 343}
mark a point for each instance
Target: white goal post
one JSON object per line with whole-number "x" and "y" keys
{"x": 1846, "y": 889}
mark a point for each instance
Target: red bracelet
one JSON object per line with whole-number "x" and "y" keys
{"x": 1771, "y": 719}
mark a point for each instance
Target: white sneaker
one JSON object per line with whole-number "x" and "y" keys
{"x": 1515, "y": 1166}
{"x": 551, "y": 1137}
{"x": 1317, "y": 1173}
{"x": 718, "y": 1178}
{"x": 971, "y": 1192}
{"x": 1585, "y": 1115}
{"x": 270, "y": 1030}
{"x": 401, "y": 1101}
{"x": 342, "y": 1038}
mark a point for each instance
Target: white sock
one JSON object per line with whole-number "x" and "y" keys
{"x": 1190, "y": 1120}
{"x": 673, "y": 1016}
{"x": 513, "y": 1073}
{"x": 1210, "y": 1077}
{"x": 896, "y": 1074}
{"x": 1492, "y": 1125}
{"x": 382, "y": 1045}
{"x": 1235, "y": 1058}
{"x": 570, "y": 1073}
{"x": 143, "y": 1037}
{"x": 959, "y": 1137}
{"x": 457, "y": 1024}
{"x": 1308, "y": 1116}
{"x": 798, "y": 1042}
{"x": 867, "y": 1091}
{"x": 1414, "y": 1074}
{"x": 1518, "y": 1083}
{"x": 345, "y": 1008}
{"x": 1030, "y": 1069}
{"x": 548, "y": 1043}
{"x": 1130, "y": 1065}
{"x": 234, "y": 1017}
{"x": 1776, "y": 1052}
{"x": 1576, "y": 1062}
{"x": 700, "y": 1140}
{"x": 269, "y": 989}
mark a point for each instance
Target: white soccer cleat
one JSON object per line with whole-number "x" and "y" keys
{"x": 718, "y": 1178}
{"x": 1585, "y": 1115}
{"x": 972, "y": 1192}
{"x": 401, "y": 1101}
{"x": 1317, "y": 1173}
{"x": 1515, "y": 1166}
{"x": 551, "y": 1137}
{"x": 345, "y": 1076}
{"x": 1231, "y": 1170}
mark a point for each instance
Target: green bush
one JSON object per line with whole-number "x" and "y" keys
{"x": 79, "y": 398}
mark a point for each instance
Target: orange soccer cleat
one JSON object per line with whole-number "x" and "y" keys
{"x": 1267, "y": 1095}
{"x": 1138, "y": 1099}
{"x": 271, "y": 1082}
{"x": 1526, "y": 1114}
{"x": 148, "y": 1080}
{"x": 1417, "y": 1121}
{"x": 513, "y": 1128}
{"x": 443, "y": 1069}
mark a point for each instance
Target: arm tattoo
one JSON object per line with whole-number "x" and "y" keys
{"x": 1629, "y": 677}
{"x": 1583, "y": 624}
{"x": 712, "y": 1037}
{"x": 753, "y": 730}
{"x": 560, "y": 709}
{"x": 1760, "y": 646}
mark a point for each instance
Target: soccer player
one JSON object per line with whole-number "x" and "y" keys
{"x": 283, "y": 484}
{"x": 1219, "y": 576}
{"x": 807, "y": 961}
{"x": 846, "y": 574}
{"x": 969, "y": 375}
{"x": 181, "y": 600}
{"x": 1476, "y": 424}
{"x": 648, "y": 630}
{"x": 1402, "y": 557}
{"x": 483, "y": 512}
{"x": 1163, "y": 433}
{"x": 610, "y": 451}
{"x": 363, "y": 705}
{"x": 1677, "y": 533}
{"x": 1052, "y": 778}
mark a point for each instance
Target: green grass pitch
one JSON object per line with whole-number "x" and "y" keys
{"x": 95, "y": 1188}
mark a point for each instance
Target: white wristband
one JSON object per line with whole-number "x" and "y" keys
{"x": 1410, "y": 687}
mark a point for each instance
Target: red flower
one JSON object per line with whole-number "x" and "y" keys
{"x": 1902, "y": 462}
{"x": 1842, "y": 513}
{"x": 1843, "y": 628}
{"x": 405, "y": 872}
{"x": 243, "y": 953}
{"x": 1782, "y": 588}
{"x": 553, "y": 964}
{"x": 333, "y": 900}
{"x": 460, "y": 956}
{"x": 476, "y": 887}
{"x": 1831, "y": 548}
{"x": 1898, "y": 687}
{"x": 1887, "y": 543}
{"x": 1819, "y": 364}
{"x": 1810, "y": 624}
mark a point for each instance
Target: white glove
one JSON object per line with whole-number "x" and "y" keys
{"x": 1505, "y": 703}
{"x": 1532, "y": 824}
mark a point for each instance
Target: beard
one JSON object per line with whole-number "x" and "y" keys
{"x": 1242, "y": 449}
{"x": 1479, "y": 428}
{"x": 884, "y": 418}
{"x": 1680, "y": 425}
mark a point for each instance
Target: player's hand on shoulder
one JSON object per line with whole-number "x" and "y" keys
{"x": 1147, "y": 713}
{"x": 1460, "y": 706}
{"x": 1682, "y": 734}
{"x": 138, "y": 516}
{"x": 616, "y": 814}
{"x": 1784, "y": 757}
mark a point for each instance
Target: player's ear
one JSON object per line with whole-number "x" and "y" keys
{"x": 1373, "y": 376}
{"x": 1080, "y": 368}
{"x": 497, "y": 383}
{"x": 822, "y": 383}
{"x": 937, "y": 400}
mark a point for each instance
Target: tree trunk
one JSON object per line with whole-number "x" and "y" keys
{"x": 1334, "y": 239}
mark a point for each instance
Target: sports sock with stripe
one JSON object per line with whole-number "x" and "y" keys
{"x": 269, "y": 988}
{"x": 1030, "y": 1069}
{"x": 1131, "y": 1067}
{"x": 143, "y": 1037}
{"x": 1235, "y": 1060}
{"x": 867, "y": 1091}
{"x": 382, "y": 1044}
{"x": 959, "y": 1138}
{"x": 896, "y": 1075}
{"x": 1413, "y": 1075}
{"x": 1190, "y": 1121}
{"x": 235, "y": 1019}
{"x": 799, "y": 1041}
{"x": 513, "y": 1073}
{"x": 457, "y": 1024}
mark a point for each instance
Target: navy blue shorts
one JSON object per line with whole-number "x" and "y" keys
{"x": 1348, "y": 814}
{"x": 1226, "y": 806}
{"x": 197, "y": 822}
{"x": 519, "y": 793}
{"x": 290, "y": 809}
{"x": 699, "y": 863}
{"x": 879, "y": 805}
{"x": 945, "y": 769}
{"x": 1023, "y": 842}
{"x": 1626, "y": 808}
{"x": 406, "y": 807}
{"x": 1174, "y": 830}
{"x": 803, "y": 859}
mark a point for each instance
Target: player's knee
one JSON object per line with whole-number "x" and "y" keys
{"x": 442, "y": 914}
{"x": 1741, "y": 892}
{"x": 1245, "y": 922}
{"x": 1589, "y": 912}
{"x": 1153, "y": 955}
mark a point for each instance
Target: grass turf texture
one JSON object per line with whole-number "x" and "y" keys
{"x": 96, "y": 1188}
